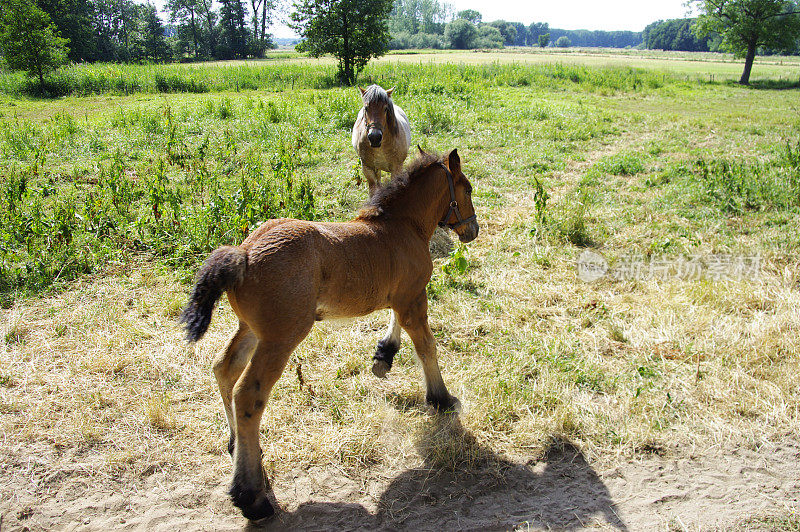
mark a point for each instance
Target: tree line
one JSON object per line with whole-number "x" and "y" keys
{"x": 125, "y": 31}
{"x": 40, "y": 35}
{"x": 431, "y": 24}
{"x": 681, "y": 35}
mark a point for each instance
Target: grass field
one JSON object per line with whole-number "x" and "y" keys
{"x": 109, "y": 201}
{"x": 692, "y": 65}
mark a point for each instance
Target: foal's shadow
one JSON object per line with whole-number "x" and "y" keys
{"x": 465, "y": 486}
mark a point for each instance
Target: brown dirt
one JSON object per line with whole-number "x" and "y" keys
{"x": 562, "y": 490}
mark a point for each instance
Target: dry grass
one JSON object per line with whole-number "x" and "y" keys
{"x": 532, "y": 352}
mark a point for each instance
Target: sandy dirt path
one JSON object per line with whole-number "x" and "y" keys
{"x": 562, "y": 491}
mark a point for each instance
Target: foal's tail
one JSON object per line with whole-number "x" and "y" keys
{"x": 223, "y": 269}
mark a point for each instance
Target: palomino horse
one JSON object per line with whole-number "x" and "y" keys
{"x": 381, "y": 135}
{"x": 290, "y": 273}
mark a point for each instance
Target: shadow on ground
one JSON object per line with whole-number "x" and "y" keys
{"x": 464, "y": 486}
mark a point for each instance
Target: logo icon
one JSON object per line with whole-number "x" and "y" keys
{"x": 591, "y": 266}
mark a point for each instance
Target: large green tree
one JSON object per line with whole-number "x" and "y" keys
{"x": 185, "y": 14}
{"x": 419, "y": 16}
{"x": 522, "y": 34}
{"x": 461, "y": 34}
{"x": 535, "y": 30}
{"x": 543, "y": 40}
{"x": 470, "y": 15}
{"x": 354, "y": 31}
{"x": 29, "y": 40}
{"x": 210, "y": 29}
{"x": 74, "y": 20}
{"x": 507, "y": 30}
{"x": 234, "y": 34}
{"x": 153, "y": 41}
{"x": 747, "y": 24}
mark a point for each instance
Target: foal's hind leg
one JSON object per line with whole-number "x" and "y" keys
{"x": 228, "y": 366}
{"x": 414, "y": 319}
{"x": 248, "y": 489}
{"x": 387, "y": 348}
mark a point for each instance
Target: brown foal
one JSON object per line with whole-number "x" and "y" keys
{"x": 288, "y": 274}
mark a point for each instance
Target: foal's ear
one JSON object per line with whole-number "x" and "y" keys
{"x": 363, "y": 91}
{"x": 454, "y": 161}
{"x": 389, "y": 92}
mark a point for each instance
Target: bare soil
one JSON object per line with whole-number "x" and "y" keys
{"x": 562, "y": 490}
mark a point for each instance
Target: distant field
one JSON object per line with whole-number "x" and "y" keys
{"x": 694, "y": 64}
{"x": 659, "y": 402}
{"x": 282, "y": 69}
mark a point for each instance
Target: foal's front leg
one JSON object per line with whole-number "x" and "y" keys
{"x": 414, "y": 319}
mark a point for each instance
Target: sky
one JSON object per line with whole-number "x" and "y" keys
{"x": 609, "y": 15}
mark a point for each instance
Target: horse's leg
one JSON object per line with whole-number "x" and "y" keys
{"x": 373, "y": 178}
{"x": 414, "y": 319}
{"x": 397, "y": 167}
{"x": 228, "y": 366}
{"x": 248, "y": 489}
{"x": 387, "y": 348}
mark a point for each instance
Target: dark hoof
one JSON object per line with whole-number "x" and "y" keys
{"x": 231, "y": 445}
{"x": 244, "y": 496}
{"x": 260, "y": 510}
{"x": 384, "y": 356}
{"x": 445, "y": 405}
{"x": 380, "y": 369}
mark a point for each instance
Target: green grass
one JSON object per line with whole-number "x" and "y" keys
{"x": 737, "y": 186}
{"x": 436, "y": 77}
{"x": 175, "y": 193}
{"x": 176, "y": 175}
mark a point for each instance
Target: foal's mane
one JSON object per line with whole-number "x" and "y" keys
{"x": 382, "y": 199}
{"x": 376, "y": 94}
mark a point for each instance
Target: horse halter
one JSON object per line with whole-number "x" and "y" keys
{"x": 453, "y": 205}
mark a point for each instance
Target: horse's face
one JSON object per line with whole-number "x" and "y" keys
{"x": 467, "y": 226}
{"x": 378, "y": 114}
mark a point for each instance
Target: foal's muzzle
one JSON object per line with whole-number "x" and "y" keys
{"x": 375, "y": 137}
{"x": 469, "y": 232}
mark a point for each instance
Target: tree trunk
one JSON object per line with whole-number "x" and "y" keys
{"x": 748, "y": 62}
{"x": 346, "y": 59}
{"x": 264, "y": 19}
{"x": 212, "y": 40}
{"x": 194, "y": 32}
{"x": 255, "y": 5}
